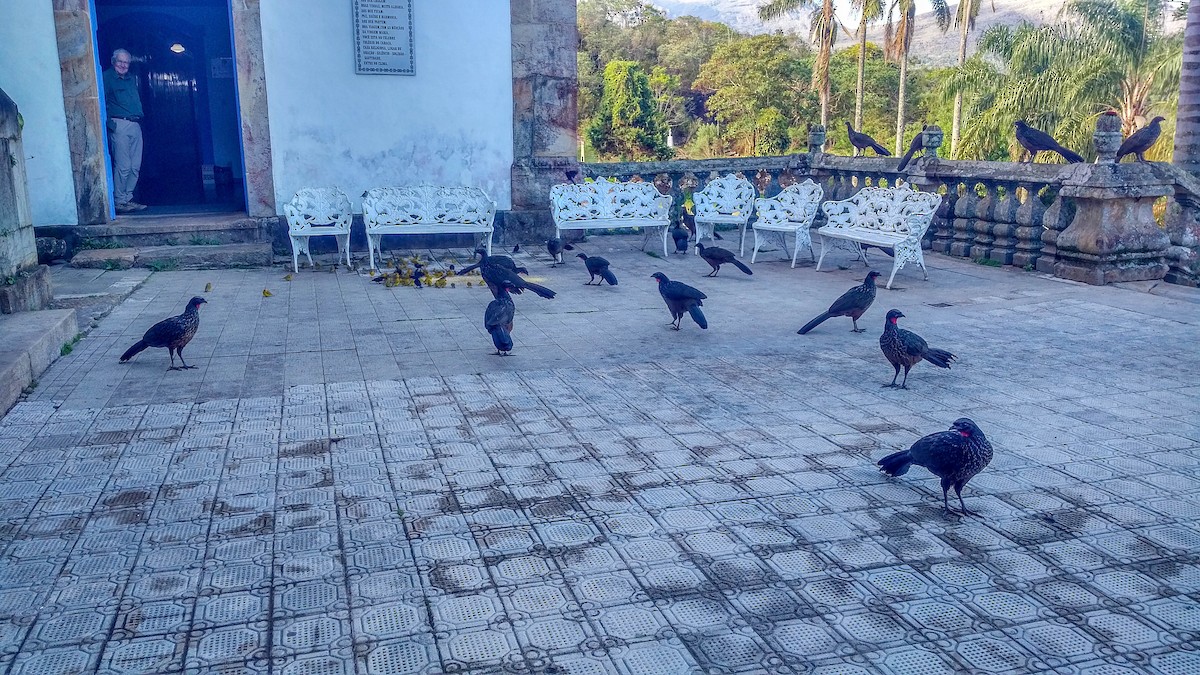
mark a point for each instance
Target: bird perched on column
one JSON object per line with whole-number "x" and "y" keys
{"x": 917, "y": 145}
{"x": 597, "y": 267}
{"x": 495, "y": 276}
{"x": 853, "y": 303}
{"x": 716, "y": 256}
{"x": 173, "y": 333}
{"x": 681, "y": 299}
{"x": 1141, "y": 140}
{"x": 956, "y": 456}
{"x": 863, "y": 141}
{"x": 680, "y": 234}
{"x": 907, "y": 349}
{"x": 555, "y": 247}
{"x": 498, "y": 319}
{"x": 1036, "y": 140}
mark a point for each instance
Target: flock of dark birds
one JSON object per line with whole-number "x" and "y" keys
{"x": 1033, "y": 140}
{"x": 955, "y": 456}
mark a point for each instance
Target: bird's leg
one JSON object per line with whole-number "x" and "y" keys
{"x": 893, "y": 383}
{"x": 945, "y": 499}
{"x": 171, "y": 351}
{"x": 856, "y": 329}
{"x": 958, "y": 491}
{"x": 185, "y": 366}
{"x": 904, "y": 384}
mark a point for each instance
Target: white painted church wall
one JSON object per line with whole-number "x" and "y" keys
{"x": 450, "y": 124}
{"x": 29, "y": 74}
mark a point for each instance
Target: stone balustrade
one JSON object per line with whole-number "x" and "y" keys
{"x": 1088, "y": 222}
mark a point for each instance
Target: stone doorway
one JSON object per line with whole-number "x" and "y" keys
{"x": 183, "y": 60}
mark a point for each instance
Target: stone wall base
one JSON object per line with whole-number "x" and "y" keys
{"x": 30, "y": 290}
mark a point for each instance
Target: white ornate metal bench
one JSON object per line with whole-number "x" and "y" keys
{"x": 894, "y": 217}
{"x": 426, "y": 209}
{"x": 729, "y": 200}
{"x": 318, "y": 212}
{"x": 791, "y": 211}
{"x": 606, "y": 204}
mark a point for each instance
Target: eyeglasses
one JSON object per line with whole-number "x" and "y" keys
{"x": 123, "y": 63}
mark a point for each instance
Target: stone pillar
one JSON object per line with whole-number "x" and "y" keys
{"x": 24, "y": 284}
{"x": 252, "y": 100}
{"x": 1113, "y": 236}
{"x": 816, "y": 139}
{"x": 1187, "y": 120}
{"x": 86, "y": 136}
{"x": 545, "y": 138}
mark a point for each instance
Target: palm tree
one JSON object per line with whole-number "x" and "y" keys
{"x": 823, "y": 33}
{"x": 1103, "y": 55}
{"x": 897, "y": 44}
{"x": 964, "y": 18}
{"x": 868, "y": 10}
{"x": 1187, "y": 119}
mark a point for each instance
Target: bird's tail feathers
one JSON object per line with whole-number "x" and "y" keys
{"x": 540, "y": 290}
{"x": 568, "y": 247}
{"x": 738, "y": 264}
{"x": 940, "y": 357}
{"x": 815, "y": 322}
{"x": 904, "y": 160}
{"x": 609, "y": 277}
{"x": 133, "y": 351}
{"x": 880, "y": 150}
{"x": 501, "y": 338}
{"x": 698, "y": 316}
{"x": 896, "y": 464}
{"x": 1071, "y": 157}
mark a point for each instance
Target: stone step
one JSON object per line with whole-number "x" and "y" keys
{"x": 184, "y": 230}
{"x": 223, "y": 256}
{"x": 29, "y": 343}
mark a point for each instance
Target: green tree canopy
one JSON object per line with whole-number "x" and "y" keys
{"x": 628, "y": 123}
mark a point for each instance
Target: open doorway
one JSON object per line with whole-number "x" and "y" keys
{"x": 183, "y": 62}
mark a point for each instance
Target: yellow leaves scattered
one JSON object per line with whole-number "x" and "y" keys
{"x": 208, "y": 287}
{"x": 287, "y": 277}
{"x": 267, "y": 294}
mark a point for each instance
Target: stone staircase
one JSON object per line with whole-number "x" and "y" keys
{"x": 167, "y": 242}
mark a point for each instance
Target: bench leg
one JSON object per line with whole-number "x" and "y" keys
{"x": 664, "y": 240}
{"x": 742, "y": 241}
{"x": 373, "y": 247}
{"x": 700, "y": 227}
{"x": 795, "y": 249}
{"x": 822, "y": 258}
{"x": 757, "y": 243}
{"x": 295, "y": 255}
{"x": 489, "y": 243}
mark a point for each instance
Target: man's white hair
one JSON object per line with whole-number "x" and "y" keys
{"x": 118, "y": 52}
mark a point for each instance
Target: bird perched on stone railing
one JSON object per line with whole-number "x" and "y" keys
{"x": 863, "y": 141}
{"x": 1141, "y": 140}
{"x": 956, "y": 456}
{"x": 1036, "y": 140}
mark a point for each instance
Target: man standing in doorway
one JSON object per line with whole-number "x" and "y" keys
{"x": 124, "y": 129}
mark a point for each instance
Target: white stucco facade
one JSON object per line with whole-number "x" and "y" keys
{"x": 29, "y": 74}
{"x": 450, "y": 124}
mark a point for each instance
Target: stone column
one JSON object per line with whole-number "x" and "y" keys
{"x": 24, "y": 284}
{"x": 545, "y": 118}
{"x": 1113, "y": 236}
{"x": 1187, "y": 121}
{"x": 252, "y": 99}
{"x": 86, "y": 136}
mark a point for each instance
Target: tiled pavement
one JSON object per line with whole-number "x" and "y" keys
{"x": 351, "y": 484}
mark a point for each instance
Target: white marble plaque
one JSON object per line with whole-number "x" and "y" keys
{"x": 383, "y": 37}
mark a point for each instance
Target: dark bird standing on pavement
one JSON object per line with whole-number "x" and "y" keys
{"x": 495, "y": 260}
{"x": 498, "y": 319}
{"x": 681, "y": 299}
{"x": 955, "y": 456}
{"x": 1036, "y": 140}
{"x": 716, "y": 256}
{"x": 853, "y": 303}
{"x": 1141, "y": 140}
{"x": 555, "y": 247}
{"x": 597, "y": 267}
{"x": 863, "y": 141}
{"x": 907, "y": 349}
{"x": 173, "y": 333}
{"x": 680, "y": 234}
{"x": 917, "y": 145}
{"x": 495, "y": 276}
